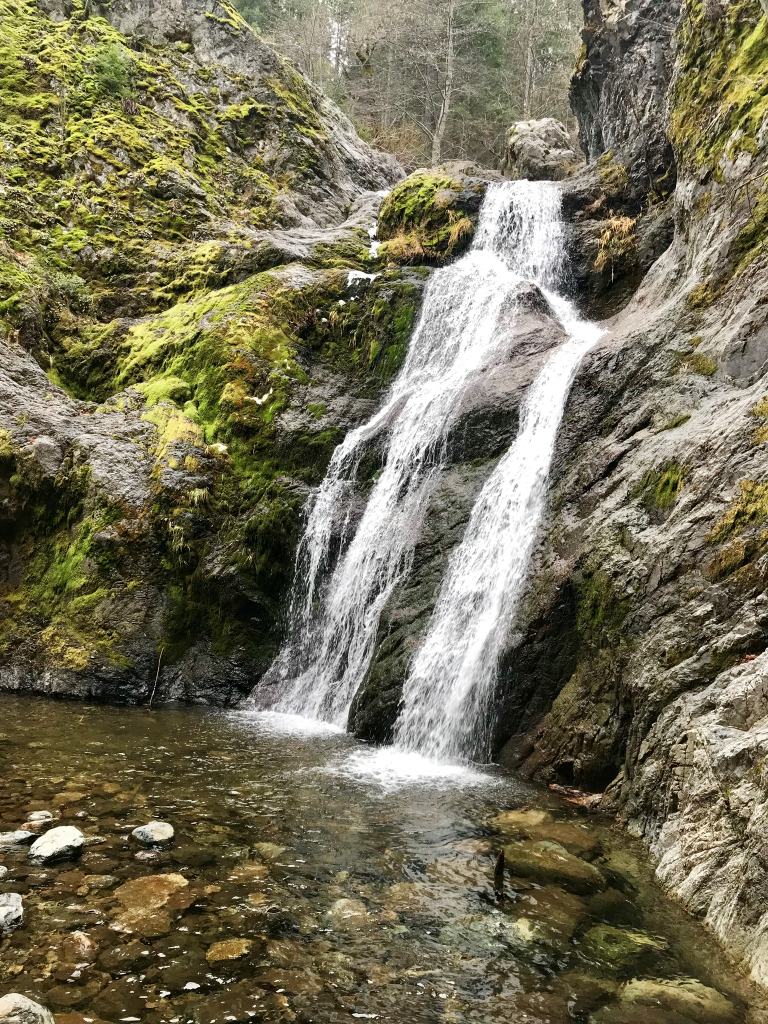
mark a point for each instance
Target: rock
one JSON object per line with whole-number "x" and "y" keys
{"x": 38, "y": 816}
{"x": 540, "y": 151}
{"x": 237, "y": 1004}
{"x": 20, "y": 837}
{"x": 520, "y": 821}
{"x": 614, "y": 907}
{"x": 622, "y": 950}
{"x": 270, "y": 851}
{"x": 154, "y": 833}
{"x": 549, "y": 863}
{"x": 147, "y": 904}
{"x": 61, "y": 843}
{"x": 229, "y": 949}
{"x": 11, "y": 912}
{"x": 18, "y": 1009}
{"x": 79, "y": 948}
{"x": 3, "y": 871}
{"x": 249, "y": 871}
{"x": 349, "y": 915}
{"x": 683, "y": 995}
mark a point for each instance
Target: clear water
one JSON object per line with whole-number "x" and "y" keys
{"x": 336, "y": 604}
{"x": 359, "y": 887}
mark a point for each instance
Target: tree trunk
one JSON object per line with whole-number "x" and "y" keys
{"x": 447, "y": 91}
{"x": 530, "y": 67}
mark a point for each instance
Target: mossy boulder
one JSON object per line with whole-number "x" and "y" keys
{"x": 429, "y": 218}
{"x": 623, "y": 951}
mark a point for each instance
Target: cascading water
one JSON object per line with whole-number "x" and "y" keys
{"x": 335, "y": 610}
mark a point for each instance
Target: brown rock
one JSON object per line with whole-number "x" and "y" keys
{"x": 147, "y": 904}
{"x": 230, "y": 949}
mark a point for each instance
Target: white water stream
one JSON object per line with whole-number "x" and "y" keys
{"x": 336, "y": 608}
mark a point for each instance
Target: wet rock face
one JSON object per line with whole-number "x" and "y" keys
{"x": 539, "y": 151}
{"x": 646, "y": 615}
{"x": 620, "y": 88}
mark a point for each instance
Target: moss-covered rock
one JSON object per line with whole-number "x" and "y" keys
{"x": 428, "y": 218}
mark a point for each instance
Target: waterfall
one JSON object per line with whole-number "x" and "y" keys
{"x": 335, "y": 608}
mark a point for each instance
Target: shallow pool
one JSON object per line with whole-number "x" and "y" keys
{"x": 314, "y": 879}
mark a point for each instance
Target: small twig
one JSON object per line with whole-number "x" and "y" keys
{"x": 154, "y": 688}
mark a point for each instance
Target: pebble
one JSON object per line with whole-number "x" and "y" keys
{"x": 40, "y": 816}
{"x": 11, "y": 913}
{"x": 18, "y": 1009}
{"x": 57, "y": 844}
{"x": 17, "y": 838}
{"x": 154, "y": 833}
{"x": 3, "y": 872}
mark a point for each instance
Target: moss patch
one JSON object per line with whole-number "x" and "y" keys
{"x": 750, "y": 510}
{"x": 660, "y": 488}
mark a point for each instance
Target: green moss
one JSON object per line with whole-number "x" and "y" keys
{"x": 720, "y": 99}
{"x": 614, "y": 177}
{"x": 660, "y": 488}
{"x": 678, "y": 421}
{"x": 422, "y": 219}
{"x": 694, "y": 362}
{"x": 600, "y": 610}
{"x": 750, "y": 510}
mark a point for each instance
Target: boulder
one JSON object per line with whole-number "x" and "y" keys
{"x": 11, "y": 913}
{"x": 540, "y": 151}
{"x": 18, "y": 1009}
{"x": 59, "y": 843}
{"x": 154, "y": 833}
{"x": 682, "y": 995}
{"x": 622, "y": 950}
{"x": 550, "y": 863}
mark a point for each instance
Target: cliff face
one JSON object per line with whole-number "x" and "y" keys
{"x": 179, "y": 350}
{"x": 647, "y": 621}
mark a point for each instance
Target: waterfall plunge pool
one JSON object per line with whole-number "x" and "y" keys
{"x": 312, "y": 878}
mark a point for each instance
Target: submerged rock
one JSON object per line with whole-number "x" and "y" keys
{"x": 11, "y": 912}
{"x": 623, "y": 950}
{"x": 59, "y": 843}
{"x": 546, "y": 862}
{"x": 147, "y": 904}
{"x": 683, "y": 995}
{"x": 154, "y": 833}
{"x": 19, "y": 1009}
{"x": 230, "y": 949}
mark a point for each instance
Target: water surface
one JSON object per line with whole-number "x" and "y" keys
{"x": 347, "y": 884}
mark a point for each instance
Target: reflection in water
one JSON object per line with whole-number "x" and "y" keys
{"x": 313, "y": 879}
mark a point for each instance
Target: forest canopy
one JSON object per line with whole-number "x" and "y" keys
{"x": 431, "y": 80}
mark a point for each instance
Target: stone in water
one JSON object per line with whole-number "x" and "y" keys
{"x": 18, "y": 1009}
{"x": 153, "y": 833}
{"x": 57, "y": 844}
{"x": 11, "y": 913}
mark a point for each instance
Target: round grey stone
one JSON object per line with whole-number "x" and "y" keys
{"x": 154, "y": 833}
{"x": 18, "y": 1009}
